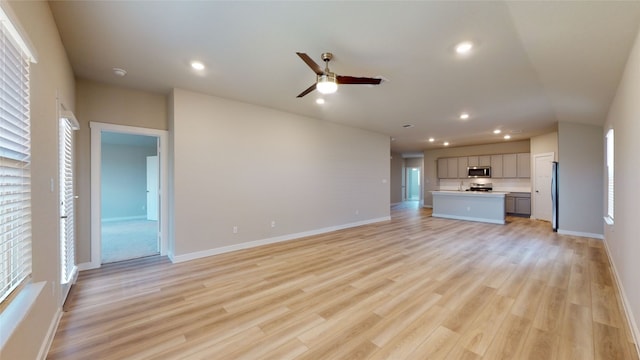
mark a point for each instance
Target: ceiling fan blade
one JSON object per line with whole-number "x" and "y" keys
{"x": 358, "y": 80}
{"x": 310, "y": 89}
{"x": 312, "y": 64}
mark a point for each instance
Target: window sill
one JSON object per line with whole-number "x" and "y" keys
{"x": 18, "y": 310}
{"x": 608, "y": 220}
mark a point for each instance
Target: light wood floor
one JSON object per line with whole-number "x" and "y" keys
{"x": 415, "y": 287}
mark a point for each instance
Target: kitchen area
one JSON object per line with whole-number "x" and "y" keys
{"x": 483, "y": 188}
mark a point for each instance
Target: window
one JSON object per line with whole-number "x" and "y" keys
{"x": 15, "y": 154}
{"x": 610, "y": 182}
{"x": 68, "y": 124}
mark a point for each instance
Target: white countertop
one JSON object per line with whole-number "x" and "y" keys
{"x": 470, "y": 193}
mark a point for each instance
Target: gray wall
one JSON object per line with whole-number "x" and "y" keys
{"x": 547, "y": 143}
{"x": 580, "y": 158}
{"x": 396, "y": 176}
{"x": 113, "y": 105}
{"x": 50, "y": 76}
{"x": 621, "y": 238}
{"x": 124, "y": 180}
{"x": 236, "y": 164}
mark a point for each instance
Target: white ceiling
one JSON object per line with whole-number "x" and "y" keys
{"x": 535, "y": 63}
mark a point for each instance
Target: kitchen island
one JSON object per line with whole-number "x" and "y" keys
{"x": 470, "y": 205}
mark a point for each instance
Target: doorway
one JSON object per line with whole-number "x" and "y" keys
{"x": 542, "y": 205}
{"x": 128, "y": 192}
{"x": 413, "y": 184}
{"x": 129, "y": 185}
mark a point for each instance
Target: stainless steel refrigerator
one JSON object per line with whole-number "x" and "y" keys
{"x": 554, "y": 195}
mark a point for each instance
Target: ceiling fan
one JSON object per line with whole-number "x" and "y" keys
{"x": 327, "y": 81}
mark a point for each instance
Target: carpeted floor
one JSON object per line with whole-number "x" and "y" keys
{"x": 123, "y": 240}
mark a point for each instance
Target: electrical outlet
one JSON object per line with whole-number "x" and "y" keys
{"x": 273, "y": 224}
{"x": 235, "y": 229}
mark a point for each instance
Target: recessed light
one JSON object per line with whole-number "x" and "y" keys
{"x": 464, "y": 116}
{"x": 507, "y": 137}
{"x": 497, "y": 131}
{"x": 119, "y": 72}
{"x": 320, "y": 101}
{"x": 407, "y": 125}
{"x": 464, "y": 47}
{"x": 432, "y": 139}
{"x": 446, "y": 143}
{"x": 197, "y": 65}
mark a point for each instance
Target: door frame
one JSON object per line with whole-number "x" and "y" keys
{"x": 96, "y": 184}
{"x": 407, "y": 189}
{"x": 533, "y": 181}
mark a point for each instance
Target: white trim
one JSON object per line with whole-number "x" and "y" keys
{"x": 125, "y": 218}
{"x": 608, "y": 220}
{"x": 18, "y": 309}
{"x": 51, "y": 332}
{"x": 580, "y": 233}
{"x": 456, "y": 217}
{"x": 96, "y": 174}
{"x": 277, "y": 239}
{"x": 86, "y": 266}
{"x": 17, "y": 32}
{"x": 427, "y": 206}
{"x": 635, "y": 331}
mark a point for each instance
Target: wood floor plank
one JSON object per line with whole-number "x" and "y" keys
{"x": 412, "y": 287}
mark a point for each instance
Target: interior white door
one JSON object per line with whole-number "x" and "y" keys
{"x": 152, "y": 187}
{"x": 542, "y": 205}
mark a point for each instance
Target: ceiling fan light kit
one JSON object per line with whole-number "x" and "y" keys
{"x": 327, "y": 84}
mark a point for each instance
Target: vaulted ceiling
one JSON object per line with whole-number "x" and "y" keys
{"x": 533, "y": 63}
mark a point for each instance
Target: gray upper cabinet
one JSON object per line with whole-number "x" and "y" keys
{"x": 442, "y": 168}
{"x": 496, "y": 166}
{"x": 452, "y": 167}
{"x": 524, "y": 165}
{"x": 448, "y": 168}
{"x": 463, "y": 162}
{"x": 509, "y": 166}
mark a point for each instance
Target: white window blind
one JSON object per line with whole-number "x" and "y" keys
{"x": 610, "y": 181}
{"x": 67, "y": 200}
{"x": 15, "y": 152}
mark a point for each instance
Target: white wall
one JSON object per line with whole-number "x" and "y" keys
{"x": 236, "y": 164}
{"x": 580, "y": 158}
{"x": 50, "y": 76}
{"x": 621, "y": 238}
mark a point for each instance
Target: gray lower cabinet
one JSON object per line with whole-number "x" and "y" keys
{"x": 518, "y": 203}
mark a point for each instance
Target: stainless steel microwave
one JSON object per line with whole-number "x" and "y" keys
{"x": 479, "y": 171}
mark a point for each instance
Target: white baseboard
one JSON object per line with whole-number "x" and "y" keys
{"x": 427, "y": 206}
{"x": 87, "y": 266}
{"x": 635, "y": 332}
{"x": 583, "y": 234}
{"x": 125, "y": 218}
{"x": 51, "y": 332}
{"x": 251, "y": 244}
